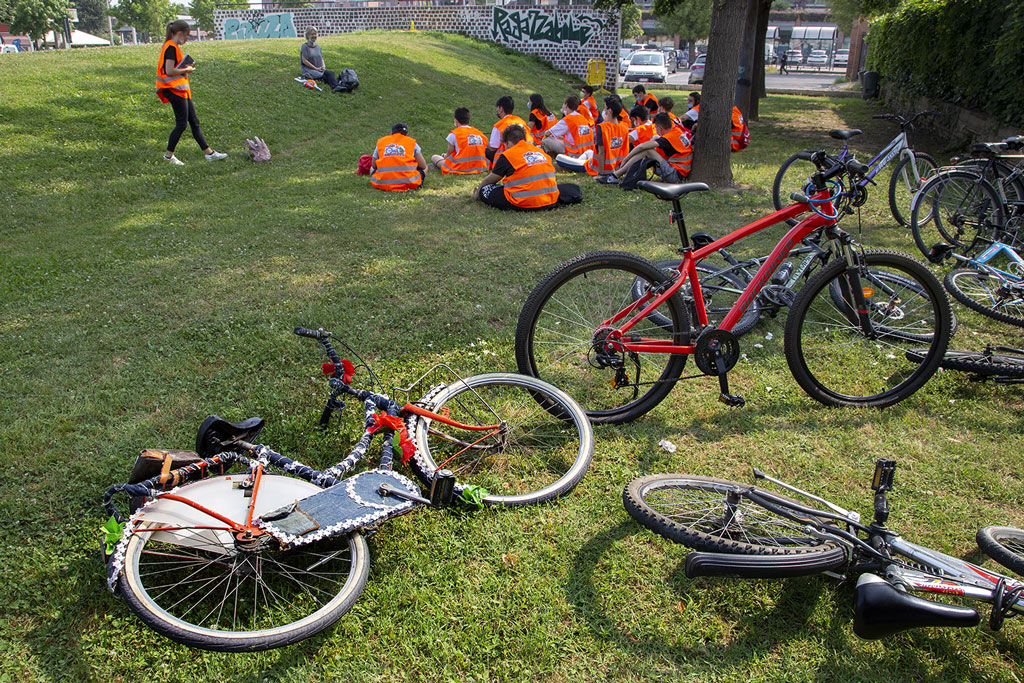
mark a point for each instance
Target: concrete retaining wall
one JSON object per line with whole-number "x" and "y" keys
{"x": 955, "y": 125}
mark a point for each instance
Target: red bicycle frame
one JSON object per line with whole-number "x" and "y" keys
{"x": 617, "y": 340}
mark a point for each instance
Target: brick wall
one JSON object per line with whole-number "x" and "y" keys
{"x": 567, "y": 38}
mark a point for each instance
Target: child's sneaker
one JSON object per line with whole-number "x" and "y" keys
{"x": 215, "y": 156}
{"x": 174, "y": 160}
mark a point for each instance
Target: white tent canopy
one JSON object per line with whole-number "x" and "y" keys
{"x": 79, "y": 39}
{"x": 814, "y": 32}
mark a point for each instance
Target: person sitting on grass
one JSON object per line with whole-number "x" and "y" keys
{"x": 691, "y": 115}
{"x": 645, "y": 98}
{"x": 572, "y": 136}
{"x": 643, "y": 128}
{"x": 670, "y": 152}
{"x": 589, "y": 103}
{"x": 526, "y": 176}
{"x": 311, "y": 61}
{"x": 466, "y": 148}
{"x": 541, "y": 119}
{"x": 398, "y": 163}
{"x": 612, "y": 139}
{"x": 504, "y": 108}
{"x": 665, "y": 105}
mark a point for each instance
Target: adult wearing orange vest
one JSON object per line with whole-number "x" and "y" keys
{"x": 172, "y": 87}
{"x": 643, "y": 129}
{"x": 398, "y": 163}
{"x": 466, "y": 148}
{"x": 670, "y": 151}
{"x": 504, "y": 108}
{"x": 645, "y": 99}
{"x": 541, "y": 119}
{"x": 612, "y": 139}
{"x": 526, "y": 176}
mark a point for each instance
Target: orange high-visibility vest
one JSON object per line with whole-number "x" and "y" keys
{"x": 615, "y": 142}
{"x": 648, "y": 100}
{"x": 737, "y": 129}
{"x": 644, "y": 132}
{"x": 469, "y": 154}
{"x": 680, "y": 160}
{"x": 546, "y": 121}
{"x": 583, "y": 111}
{"x": 179, "y": 84}
{"x": 512, "y": 120}
{"x": 396, "y": 165}
{"x": 532, "y": 183}
{"x": 581, "y": 134}
{"x": 591, "y": 106}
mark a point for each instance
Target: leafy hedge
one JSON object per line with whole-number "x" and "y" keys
{"x": 964, "y": 51}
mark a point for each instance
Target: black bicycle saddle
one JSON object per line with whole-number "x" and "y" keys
{"x": 216, "y": 434}
{"x": 844, "y": 134}
{"x": 670, "y": 190}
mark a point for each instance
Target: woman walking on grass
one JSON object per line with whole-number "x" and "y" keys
{"x": 172, "y": 87}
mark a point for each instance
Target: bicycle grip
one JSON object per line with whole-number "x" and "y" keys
{"x": 313, "y": 334}
{"x": 799, "y": 198}
{"x": 857, "y": 168}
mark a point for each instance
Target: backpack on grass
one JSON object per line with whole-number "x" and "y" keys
{"x": 347, "y": 81}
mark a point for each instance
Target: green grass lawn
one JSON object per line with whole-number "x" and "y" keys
{"x": 136, "y": 298}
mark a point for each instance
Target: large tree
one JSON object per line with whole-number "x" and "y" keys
{"x": 6, "y": 11}
{"x": 148, "y": 16}
{"x": 92, "y": 15}
{"x": 35, "y": 17}
{"x": 631, "y": 26}
{"x": 690, "y": 20}
{"x": 202, "y": 12}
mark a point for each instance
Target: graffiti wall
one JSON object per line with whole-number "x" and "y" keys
{"x": 567, "y": 38}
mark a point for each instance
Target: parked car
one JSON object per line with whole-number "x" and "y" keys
{"x": 841, "y": 58}
{"x": 4, "y": 49}
{"x": 794, "y": 57}
{"x": 647, "y": 65}
{"x": 697, "y": 70}
{"x": 624, "y": 54}
{"x": 817, "y": 58}
{"x": 671, "y": 61}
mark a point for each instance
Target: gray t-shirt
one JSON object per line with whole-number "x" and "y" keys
{"x": 312, "y": 54}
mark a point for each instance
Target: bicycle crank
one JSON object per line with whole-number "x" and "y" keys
{"x": 716, "y": 353}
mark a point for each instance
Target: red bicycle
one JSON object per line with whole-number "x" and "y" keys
{"x": 584, "y": 329}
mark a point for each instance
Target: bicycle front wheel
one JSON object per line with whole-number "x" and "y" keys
{"x": 904, "y": 185}
{"x": 540, "y": 449}
{"x": 188, "y": 578}
{"x": 979, "y": 362}
{"x": 1005, "y": 545}
{"x": 713, "y": 515}
{"x": 988, "y": 294}
{"x": 955, "y": 207}
{"x": 793, "y": 176}
{"x": 840, "y": 363}
{"x": 561, "y": 336}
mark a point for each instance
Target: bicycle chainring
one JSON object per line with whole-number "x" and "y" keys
{"x": 717, "y": 352}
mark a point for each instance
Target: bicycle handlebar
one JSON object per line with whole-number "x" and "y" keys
{"x": 312, "y": 334}
{"x": 904, "y": 122}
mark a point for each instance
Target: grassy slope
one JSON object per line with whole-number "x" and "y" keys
{"x": 135, "y": 298}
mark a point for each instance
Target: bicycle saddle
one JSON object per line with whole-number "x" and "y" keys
{"x": 216, "y": 434}
{"x": 670, "y": 190}
{"x": 841, "y": 134}
{"x": 881, "y": 610}
{"x": 989, "y": 149}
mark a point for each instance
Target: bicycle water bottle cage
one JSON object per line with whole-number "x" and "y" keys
{"x": 217, "y": 435}
{"x": 844, "y": 134}
{"x": 699, "y": 240}
{"x": 881, "y": 610}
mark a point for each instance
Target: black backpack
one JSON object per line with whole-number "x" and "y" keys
{"x": 347, "y": 81}
{"x": 636, "y": 172}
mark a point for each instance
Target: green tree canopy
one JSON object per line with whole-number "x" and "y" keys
{"x": 35, "y": 17}
{"x": 150, "y": 16}
{"x": 92, "y": 15}
{"x": 6, "y": 12}
{"x": 630, "y": 21}
{"x": 689, "y": 20}
{"x": 845, "y": 12}
{"x": 202, "y": 12}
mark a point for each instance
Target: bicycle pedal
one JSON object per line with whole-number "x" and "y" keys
{"x": 732, "y": 400}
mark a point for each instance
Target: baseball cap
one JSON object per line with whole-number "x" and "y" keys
{"x": 399, "y": 128}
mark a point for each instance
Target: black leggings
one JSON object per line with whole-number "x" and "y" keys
{"x": 329, "y": 78}
{"x": 184, "y": 115}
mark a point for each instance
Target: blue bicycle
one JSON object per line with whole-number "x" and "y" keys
{"x": 912, "y": 168}
{"x": 991, "y": 291}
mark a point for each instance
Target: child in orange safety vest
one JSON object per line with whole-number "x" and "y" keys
{"x": 398, "y": 163}
{"x": 466, "y": 148}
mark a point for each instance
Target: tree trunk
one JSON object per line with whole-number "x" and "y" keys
{"x": 745, "y": 80}
{"x": 763, "y": 8}
{"x": 711, "y": 148}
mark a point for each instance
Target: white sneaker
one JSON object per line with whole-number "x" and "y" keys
{"x": 215, "y": 156}
{"x": 174, "y": 160}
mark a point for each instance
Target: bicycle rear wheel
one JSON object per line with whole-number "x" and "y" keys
{"x": 793, "y": 176}
{"x": 561, "y": 336}
{"x": 720, "y": 288}
{"x": 713, "y": 515}
{"x": 955, "y": 207}
{"x": 832, "y": 357}
{"x": 188, "y": 578}
{"x": 988, "y": 294}
{"x": 540, "y": 452}
{"x": 903, "y": 186}
{"x": 1003, "y": 544}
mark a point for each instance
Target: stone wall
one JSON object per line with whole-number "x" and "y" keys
{"x": 955, "y": 127}
{"x": 567, "y": 38}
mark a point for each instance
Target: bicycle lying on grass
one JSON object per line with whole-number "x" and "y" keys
{"x": 991, "y": 291}
{"x": 1000, "y": 364}
{"x": 255, "y": 560}
{"x": 747, "y": 532}
{"x": 584, "y": 328}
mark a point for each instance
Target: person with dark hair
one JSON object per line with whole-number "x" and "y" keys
{"x": 540, "y": 118}
{"x": 172, "y": 87}
{"x": 311, "y": 61}
{"x": 645, "y": 99}
{"x": 504, "y": 106}
{"x": 526, "y": 176}
{"x": 670, "y": 152}
{"x": 691, "y": 115}
{"x": 398, "y": 163}
{"x": 665, "y": 105}
{"x": 573, "y": 135}
{"x": 612, "y": 139}
{"x": 466, "y": 148}
{"x": 643, "y": 129}
{"x": 587, "y": 100}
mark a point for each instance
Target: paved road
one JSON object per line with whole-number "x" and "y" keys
{"x": 813, "y": 81}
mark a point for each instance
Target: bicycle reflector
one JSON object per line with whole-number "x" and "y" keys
{"x": 882, "y": 479}
{"x": 868, "y": 292}
{"x": 327, "y": 368}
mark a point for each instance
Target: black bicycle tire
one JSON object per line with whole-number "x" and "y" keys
{"x": 778, "y": 201}
{"x": 894, "y": 206}
{"x": 765, "y": 566}
{"x": 1003, "y": 169}
{"x": 927, "y": 194}
{"x": 837, "y": 297}
{"x": 955, "y": 289}
{"x": 153, "y": 615}
{"x": 991, "y": 542}
{"x": 794, "y": 343}
{"x": 634, "y": 499}
{"x": 979, "y": 363}
{"x": 526, "y": 329}
{"x": 747, "y": 321}
{"x": 548, "y": 399}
